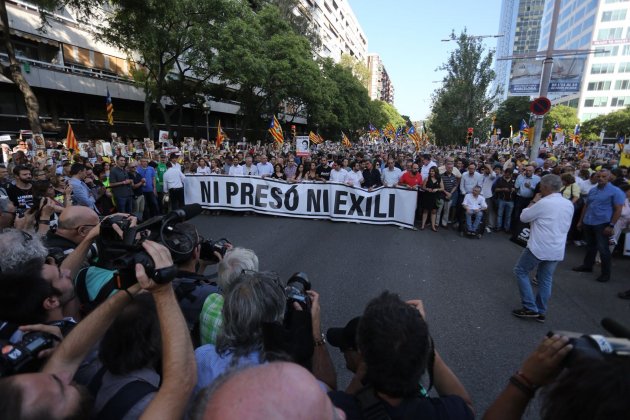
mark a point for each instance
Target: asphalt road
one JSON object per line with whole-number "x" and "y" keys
{"x": 467, "y": 287}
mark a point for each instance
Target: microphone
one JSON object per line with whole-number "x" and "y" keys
{"x": 615, "y": 328}
{"x": 186, "y": 213}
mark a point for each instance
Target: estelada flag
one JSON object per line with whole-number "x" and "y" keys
{"x": 314, "y": 138}
{"x": 276, "y": 130}
{"x": 71, "y": 140}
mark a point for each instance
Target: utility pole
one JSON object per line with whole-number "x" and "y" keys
{"x": 545, "y": 79}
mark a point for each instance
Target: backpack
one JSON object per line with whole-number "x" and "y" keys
{"x": 191, "y": 290}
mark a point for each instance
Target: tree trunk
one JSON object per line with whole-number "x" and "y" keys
{"x": 15, "y": 73}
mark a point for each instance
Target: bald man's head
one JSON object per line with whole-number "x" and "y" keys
{"x": 75, "y": 222}
{"x": 278, "y": 390}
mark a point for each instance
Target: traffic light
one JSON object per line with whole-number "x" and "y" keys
{"x": 469, "y": 135}
{"x": 293, "y": 130}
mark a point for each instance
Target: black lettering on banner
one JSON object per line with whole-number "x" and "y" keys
{"x": 232, "y": 191}
{"x": 392, "y": 204}
{"x": 313, "y": 200}
{"x": 276, "y": 194}
{"x": 205, "y": 192}
{"x": 247, "y": 191}
{"x": 339, "y": 202}
{"x": 377, "y": 207}
{"x": 260, "y": 195}
{"x": 356, "y": 205}
{"x": 368, "y": 207}
{"x": 291, "y": 199}
{"x": 325, "y": 201}
{"x": 215, "y": 190}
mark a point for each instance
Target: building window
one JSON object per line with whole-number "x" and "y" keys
{"x": 602, "y": 68}
{"x": 605, "y": 85}
{"x": 596, "y": 102}
{"x": 609, "y": 51}
{"x": 613, "y": 15}
{"x": 624, "y": 67}
{"x": 609, "y": 33}
{"x": 620, "y": 101}
{"x": 622, "y": 85}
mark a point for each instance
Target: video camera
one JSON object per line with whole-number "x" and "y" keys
{"x": 209, "y": 247}
{"x": 123, "y": 253}
{"x": 598, "y": 347}
{"x": 22, "y": 356}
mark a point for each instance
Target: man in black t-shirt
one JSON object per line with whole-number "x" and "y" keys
{"x": 21, "y": 193}
{"x": 323, "y": 170}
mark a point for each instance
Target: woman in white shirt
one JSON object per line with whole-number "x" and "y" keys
{"x": 203, "y": 168}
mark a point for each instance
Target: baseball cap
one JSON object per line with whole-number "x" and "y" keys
{"x": 344, "y": 338}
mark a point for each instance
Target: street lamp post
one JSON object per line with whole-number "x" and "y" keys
{"x": 206, "y": 110}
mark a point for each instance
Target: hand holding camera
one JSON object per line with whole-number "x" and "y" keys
{"x": 544, "y": 364}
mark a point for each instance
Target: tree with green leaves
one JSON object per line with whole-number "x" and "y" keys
{"x": 565, "y": 116}
{"x": 463, "y": 100}
{"x": 510, "y": 113}
{"x": 359, "y": 68}
{"x": 614, "y": 124}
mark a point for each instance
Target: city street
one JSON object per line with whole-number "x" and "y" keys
{"x": 467, "y": 287}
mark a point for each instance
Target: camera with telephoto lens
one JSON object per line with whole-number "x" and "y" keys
{"x": 209, "y": 247}
{"x": 22, "y": 357}
{"x": 295, "y": 290}
{"x": 595, "y": 346}
{"x": 120, "y": 244}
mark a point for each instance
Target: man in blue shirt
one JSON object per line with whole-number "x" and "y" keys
{"x": 81, "y": 194}
{"x": 525, "y": 185}
{"x": 149, "y": 190}
{"x": 599, "y": 215}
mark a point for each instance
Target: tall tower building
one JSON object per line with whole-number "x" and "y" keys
{"x": 379, "y": 84}
{"x": 520, "y": 25}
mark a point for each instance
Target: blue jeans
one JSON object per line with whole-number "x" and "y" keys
{"x": 597, "y": 241}
{"x": 471, "y": 224}
{"x": 505, "y": 208}
{"x": 527, "y": 263}
{"x": 124, "y": 204}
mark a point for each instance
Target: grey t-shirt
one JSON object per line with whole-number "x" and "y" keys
{"x": 118, "y": 175}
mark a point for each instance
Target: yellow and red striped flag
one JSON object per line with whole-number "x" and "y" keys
{"x": 345, "y": 140}
{"x": 220, "y": 135}
{"x": 71, "y": 140}
{"x": 276, "y": 131}
{"x": 109, "y": 107}
{"x": 314, "y": 138}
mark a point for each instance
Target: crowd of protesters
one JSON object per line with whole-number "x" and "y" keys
{"x": 178, "y": 342}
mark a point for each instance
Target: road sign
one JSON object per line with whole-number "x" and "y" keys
{"x": 540, "y": 106}
{"x": 470, "y": 130}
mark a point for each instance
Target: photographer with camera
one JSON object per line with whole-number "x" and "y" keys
{"x": 394, "y": 342}
{"x": 53, "y": 395}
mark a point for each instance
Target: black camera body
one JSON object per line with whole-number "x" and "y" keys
{"x": 22, "y": 356}
{"x": 209, "y": 247}
{"x": 123, "y": 253}
{"x": 295, "y": 290}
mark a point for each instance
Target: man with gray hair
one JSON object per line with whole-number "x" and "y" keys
{"x": 18, "y": 247}
{"x": 236, "y": 260}
{"x": 549, "y": 215}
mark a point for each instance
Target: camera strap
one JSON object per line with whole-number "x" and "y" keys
{"x": 372, "y": 408}
{"x": 126, "y": 397}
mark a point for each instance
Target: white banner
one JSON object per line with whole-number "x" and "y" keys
{"x": 312, "y": 200}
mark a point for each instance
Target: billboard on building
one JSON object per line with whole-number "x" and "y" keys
{"x": 566, "y": 76}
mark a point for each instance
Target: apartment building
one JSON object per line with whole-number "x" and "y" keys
{"x": 380, "y": 85}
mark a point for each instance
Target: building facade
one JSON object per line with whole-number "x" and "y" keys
{"x": 338, "y": 29}
{"x": 520, "y": 27}
{"x": 380, "y": 86}
{"x": 601, "y": 27}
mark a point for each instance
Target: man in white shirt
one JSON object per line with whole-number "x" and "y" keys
{"x": 391, "y": 174}
{"x": 264, "y": 167}
{"x": 427, "y": 164}
{"x": 235, "y": 168}
{"x": 355, "y": 176}
{"x": 475, "y": 205}
{"x": 338, "y": 174}
{"x": 249, "y": 168}
{"x": 549, "y": 215}
{"x": 173, "y": 180}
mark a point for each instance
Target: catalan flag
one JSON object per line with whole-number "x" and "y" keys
{"x": 220, "y": 135}
{"x": 345, "y": 140}
{"x": 390, "y": 131}
{"x": 314, "y": 138}
{"x": 71, "y": 140}
{"x": 557, "y": 128}
{"x": 414, "y": 136}
{"x": 550, "y": 139}
{"x": 109, "y": 107}
{"x": 524, "y": 127}
{"x": 373, "y": 130}
{"x": 621, "y": 142}
{"x": 276, "y": 131}
{"x": 576, "y": 137}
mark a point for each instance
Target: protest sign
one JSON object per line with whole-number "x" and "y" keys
{"x": 315, "y": 200}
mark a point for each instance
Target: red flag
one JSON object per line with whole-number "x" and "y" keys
{"x": 71, "y": 140}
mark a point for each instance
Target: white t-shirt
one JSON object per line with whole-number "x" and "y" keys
{"x": 391, "y": 177}
{"x": 338, "y": 175}
{"x": 236, "y": 170}
{"x": 203, "y": 171}
{"x": 355, "y": 178}
{"x": 472, "y": 203}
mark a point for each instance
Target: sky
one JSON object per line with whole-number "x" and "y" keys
{"x": 407, "y": 35}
